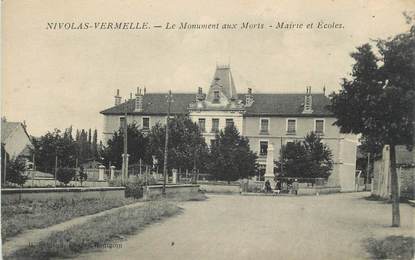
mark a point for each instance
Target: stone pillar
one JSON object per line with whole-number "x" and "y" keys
{"x": 101, "y": 171}
{"x": 174, "y": 172}
{"x": 112, "y": 172}
{"x": 269, "y": 170}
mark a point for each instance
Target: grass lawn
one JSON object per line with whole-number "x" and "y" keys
{"x": 18, "y": 217}
{"x": 392, "y": 247}
{"x": 99, "y": 232}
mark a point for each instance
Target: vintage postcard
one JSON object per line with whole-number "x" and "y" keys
{"x": 238, "y": 129}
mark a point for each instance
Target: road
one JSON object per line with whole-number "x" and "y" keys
{"x": 259, "y": 227}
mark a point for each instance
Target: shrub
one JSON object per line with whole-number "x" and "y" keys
{"x": 15, "y": 171}
{"x": 82, "y": 175}
{"x": 65, "y": 175}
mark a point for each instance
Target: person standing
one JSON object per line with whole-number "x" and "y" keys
{"x": 268, "y": 186}
{"x": 295, "y": 187}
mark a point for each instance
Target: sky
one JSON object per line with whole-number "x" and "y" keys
{"x": 57, "y": 78}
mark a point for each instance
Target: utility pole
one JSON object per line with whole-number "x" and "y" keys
{"x": 4, "y": 157}
{"x": 281, "y": 164}
{"x": 33, "y": 161}
{"x": 56, "y": 166}
{"x": 368, "y": 169}
{"x": 125, "y": 152}
{"x": 166, "y": 143}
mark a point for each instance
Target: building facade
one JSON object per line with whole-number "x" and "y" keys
{"x": 266, "y": 118}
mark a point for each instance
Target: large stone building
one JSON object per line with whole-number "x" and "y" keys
{"x": 265, "y": 118}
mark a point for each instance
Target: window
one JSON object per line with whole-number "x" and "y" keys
{"x": 212, "y": 142}
{"x": 319, "y": 126}
{"x": 146, "y": 123}
{"x": 229, "y": 122}
{"x": 215, "y": 125}
{"x": 202, "y": 124}
{"x": 291, "y": 126}
{"x": 216, "y": 96}
{"x": 264, "y": 126}
{"x": 122, "y": 122}
{"x": 263, "y": 147}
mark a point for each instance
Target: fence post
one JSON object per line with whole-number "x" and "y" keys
{"x": 101, "y": 170}
{"x": 174, "y": 172}
{"x": 112, "y": 172}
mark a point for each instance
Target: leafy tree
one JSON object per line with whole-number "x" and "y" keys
{"x": 378, "y": 100}
{"x": 65, "y": 175}
{"x": 187, "y": 148}
{"x": 52, "y": 144}
{"x": 230, "y": 156}
{"x": 137, "y": 146}
{"x": 306, "y": 159}
{"x": 295, "y": 160}
{"x": 15, "y": 171}
{"x": 94, "y": 148}
{"x": 61, "y": 144}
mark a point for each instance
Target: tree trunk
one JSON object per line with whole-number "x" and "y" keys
{"x": 396, "y": 221}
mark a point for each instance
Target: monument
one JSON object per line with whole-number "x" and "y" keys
{"x": 269, "y": 170}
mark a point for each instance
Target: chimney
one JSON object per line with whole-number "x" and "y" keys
{"x": 249, "y": 98}
{"x": 117, "y": 98}
{"x": 199, "y": 95}
{"x": 308, "y": 102}
{"x": 139, "y": 100}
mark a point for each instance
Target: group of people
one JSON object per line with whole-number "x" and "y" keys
{"x": 278, "y": 186}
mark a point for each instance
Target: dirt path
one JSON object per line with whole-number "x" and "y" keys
{"x": 33, "y": 236}
{"x": 245, "y": 227}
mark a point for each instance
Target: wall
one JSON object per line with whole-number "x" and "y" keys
{"x": 318, "y": 190}
{"x": 222, "y": 116}
{"x": 42, "y": 194}
{"x": 220, "y": 189}
{"x": 47, "y": 182}
{"x": 382, "y": 178}
{"x": 172, "y": 191}
{"x": 278, "y": 134}
{"x": 407, "y": 182}
{"x": 347, "y": 163}
{"x": 343, "y": 146}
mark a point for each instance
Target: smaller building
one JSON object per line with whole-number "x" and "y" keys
{"x": 405, "y": 166}
{"x": 16, "y": 140}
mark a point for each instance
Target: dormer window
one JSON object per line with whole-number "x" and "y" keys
{"x": 216, "y": 96}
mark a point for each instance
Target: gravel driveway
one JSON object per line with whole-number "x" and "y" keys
{"x": 259, "y": 227}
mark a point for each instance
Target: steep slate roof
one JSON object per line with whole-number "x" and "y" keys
{"x": 223, "y": 77}
{"x": 154, "y": 104}
{"x": 284, "y": 104}
{"x": 8, "y": 128}
{"x": 281, "y": 104}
